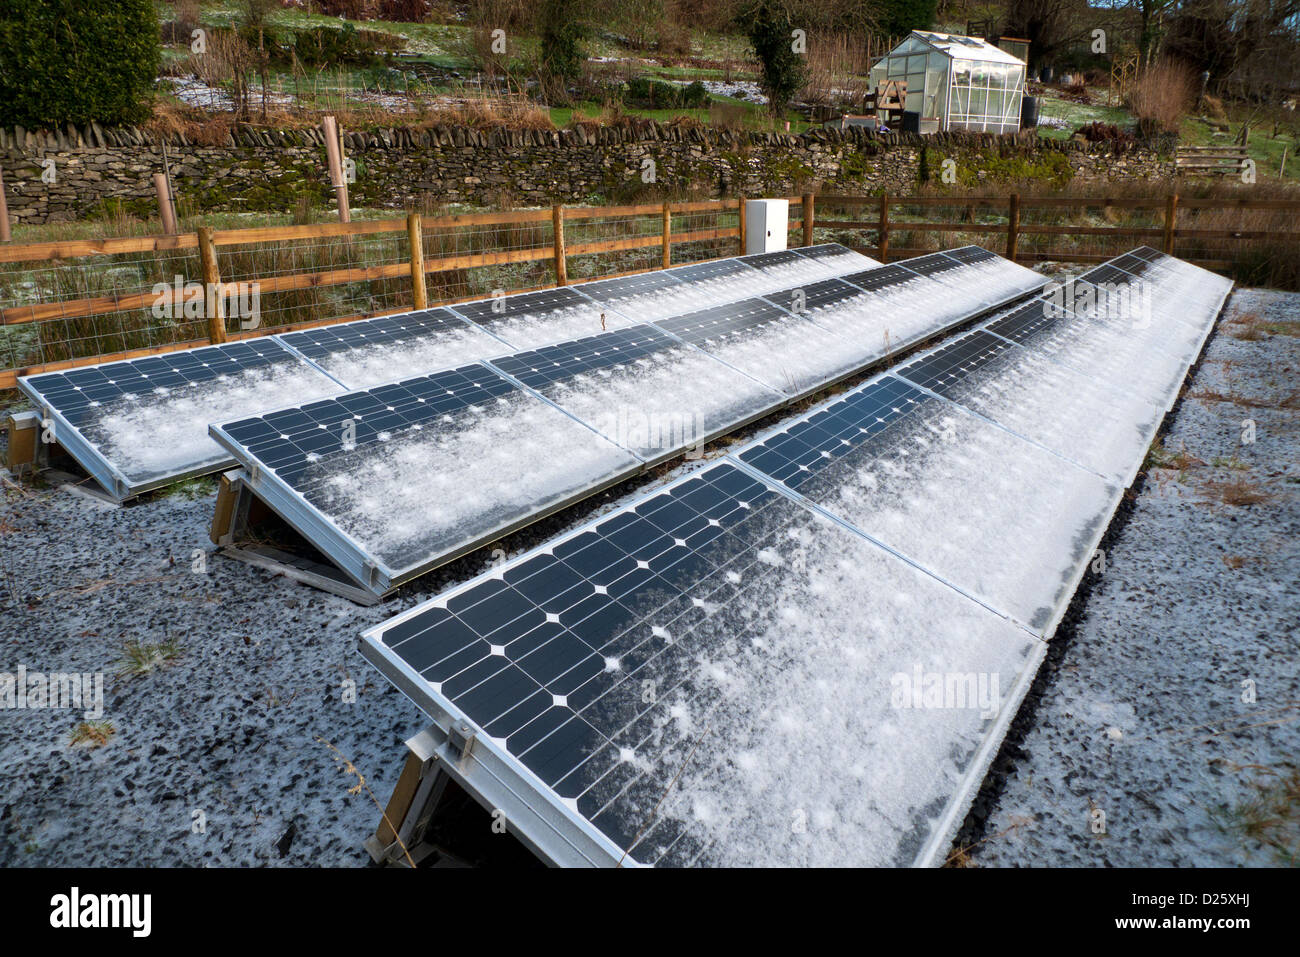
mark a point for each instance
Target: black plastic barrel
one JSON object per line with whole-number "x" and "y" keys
{"x": 1028, "y": 112}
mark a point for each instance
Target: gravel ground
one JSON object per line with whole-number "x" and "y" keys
{"x": 1139, "y": 713}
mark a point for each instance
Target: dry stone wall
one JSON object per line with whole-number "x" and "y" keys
{"x": 76, "y": 173}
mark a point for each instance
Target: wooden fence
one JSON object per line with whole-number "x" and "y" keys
{"x": 49, "y": 322}
{"x": 404, "y": 257}
{"x": 962, "y": 215}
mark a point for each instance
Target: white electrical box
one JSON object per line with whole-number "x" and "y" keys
{"x": 767, "y": 224}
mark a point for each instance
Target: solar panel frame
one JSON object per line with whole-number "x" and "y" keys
{"x": 320, "y": 344}
{"x": 353, "y": 556}
{"x": 563, "y": 834}
{"x": 518, "y": 367}
{"x": 69, "y": 433}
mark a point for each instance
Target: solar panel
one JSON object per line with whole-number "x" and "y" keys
{"x": 985, "y": 275}
{"x": 489, "y": 456}
{"x": 788, "y": 268}
{"x": 640, "y": 298}
{"x": 643, "y": 389}
{"x": 788, "y": 353}
{"x": 1103, "y": 351}
{"x": 139, "y": 424}
{"x": 1078, "y": 417}
{"x": 996, "y": 516}
{"x": 880, "y": 320}
{"x": 837, "y": 258}
{"x": 712, "y": 676}
{"x": 527, "y": 320}
{"x": 729, "y": 670}
{"x": 388, "y": 348}
{"x": 719, "y": 281}
{"x": 1155, "y": 314}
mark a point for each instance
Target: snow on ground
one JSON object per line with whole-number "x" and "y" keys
{"x": 1142, "y": 714}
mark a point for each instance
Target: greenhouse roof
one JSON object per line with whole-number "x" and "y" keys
{"x": 966, "y": 48}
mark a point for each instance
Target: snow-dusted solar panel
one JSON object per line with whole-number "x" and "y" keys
{"x": 393, "y": 480}
{"x": 1079, "y": 417}
{"x": 643, "y": 389}
{"x": 374, "y": 351}
{"x": 1136, "y": 337}
{"x": 142, "y": 423}
{"x": 977, "y": 274}
{"x": 783, "y": 350}
{"x": 998, "y": 517}
{"x": 787, "y": 268}
{"x": 714, "y": 675}
{"x": 527, "y": 320}
{"x": 837, "y": 258}
{"x": 643, "y": 297}
{"x": 766, "y": 620}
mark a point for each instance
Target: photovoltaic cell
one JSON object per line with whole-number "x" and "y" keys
{"x": 786, "y": 352}
{"x": 374, "y": 351}
{"x": 656, "y": 670}
{"x": 639, "y": 298}
{"x": 138, "y": 424}
{"x": 643, "y": 389}
{"x": 901, "y": 465}
{"x": 487, "y": 454}
{"x": 527, "y": 320}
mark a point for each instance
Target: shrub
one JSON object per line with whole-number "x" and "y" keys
{"x": 1109, "y": 133}
{"x": 72, "y": 61}
{"x": 782, "y": 69}
{"x": 1161, "y": 97}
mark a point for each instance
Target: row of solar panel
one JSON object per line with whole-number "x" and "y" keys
{"x": 808, "y": 652}
{"x": 394, "y": 480}
{"x": 138, "y": 424}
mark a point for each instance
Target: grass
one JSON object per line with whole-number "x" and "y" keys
{"x": 139, "y": 659}
{"x": 1160, "y": 456}
{"x": 96, "y": 734}
{"x": 1271, "y": 818}
{"x": 1229, "y": 462}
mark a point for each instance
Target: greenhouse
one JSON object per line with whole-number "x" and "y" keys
{"x": 955, "y": 82}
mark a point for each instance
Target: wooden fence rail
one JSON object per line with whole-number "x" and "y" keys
{"x": 880, "y": 217}
{"x": 1014, "y": 228}
{"x": 213, "y": 245}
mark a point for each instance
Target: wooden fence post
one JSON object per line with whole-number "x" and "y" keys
{"x": 214, "y": 305}
{"x": 419, "y": 292}
{"x": 5, "y": 235}
{"x": 1013, "y": 226}
{"x": 807, "y": 219}
{"x": 1171, "y": 211}
{"x": 668, "y": 231}
{"x": 334, "y": 153}
{"x": 882, "y": 241}
{"x": 561, "y": 268}
{"x": 740, "y": 238}
{"x": 165, "y": 208}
